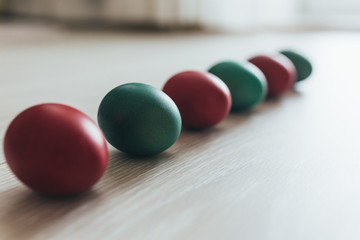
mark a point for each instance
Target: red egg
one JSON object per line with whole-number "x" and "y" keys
{"x": 202, "y": 98}
{"x": 55, "y": 149}
{"x": 279, "y": 71}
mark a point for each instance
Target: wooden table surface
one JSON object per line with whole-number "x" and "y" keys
{"x": 289, "y": 169}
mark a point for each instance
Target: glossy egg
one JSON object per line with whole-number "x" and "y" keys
{"x": 139, "y": 119}
{"x": 246, "y": 82}
{"x": 55, "y": 149}
{"x": 202, "y": 98}
{"x": 301, "y": 63}
{"x": 279, "y": 72}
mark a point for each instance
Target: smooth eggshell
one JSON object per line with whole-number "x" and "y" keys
{"x": 279, "y": 72}
{"x": 302, "y": 64}
{"x": 139, "y": 119}
{"x": 202, "y": 98}
{"x": 55, "y": 149}
{"x": 245, "y": 81}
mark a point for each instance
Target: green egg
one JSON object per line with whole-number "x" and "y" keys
{"x": 302, "y": 65}
{"x": 139, "y": 119}
{"x": 245, "y": 81}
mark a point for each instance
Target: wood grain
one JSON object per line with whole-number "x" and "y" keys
{"x": 289, "y": 169}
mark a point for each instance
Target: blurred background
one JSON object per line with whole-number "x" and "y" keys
{"x": 224, "y": 15}
{"x": 287, "y": 170}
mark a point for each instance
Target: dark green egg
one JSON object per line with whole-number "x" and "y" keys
{"x": 245, "y": 81}
{"x": 139, "y": 119}
{"x": 302, "y": 65}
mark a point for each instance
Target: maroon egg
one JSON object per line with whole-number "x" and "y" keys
{"x": 279, "y": 71}
{"x": 202, "y": 98}
{"x": 55, "y": 149}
